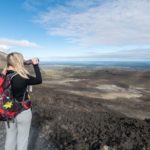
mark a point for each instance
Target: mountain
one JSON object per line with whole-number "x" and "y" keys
{"x": 2, "y": 59}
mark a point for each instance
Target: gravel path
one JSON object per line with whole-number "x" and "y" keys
{"x": 2, "y": 135}
{"x": 36, "y": 141}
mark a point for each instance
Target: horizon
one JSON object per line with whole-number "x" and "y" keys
{"x": 99, "y": 64}
{"x": 95, "y": 61}
{"x": 140, "y": 65}
{"x": 76, "y": 30}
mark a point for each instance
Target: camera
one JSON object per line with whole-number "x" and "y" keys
{"x": 29, "y": 61}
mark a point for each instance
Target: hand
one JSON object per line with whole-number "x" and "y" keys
{"x": 35, "y": 61}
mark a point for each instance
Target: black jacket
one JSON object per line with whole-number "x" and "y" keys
{"x": 19, "y": 84}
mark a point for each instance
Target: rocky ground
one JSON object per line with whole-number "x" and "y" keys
{"x": 90, "y": 110}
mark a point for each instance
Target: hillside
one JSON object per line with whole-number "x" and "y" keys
{"x": 87, "y": 109}
{"x": 2, "y": 59}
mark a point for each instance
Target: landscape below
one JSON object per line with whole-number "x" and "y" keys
{"x": 90, "y": 109}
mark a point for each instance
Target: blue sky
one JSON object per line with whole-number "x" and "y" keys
{"x": 75, "y": 29}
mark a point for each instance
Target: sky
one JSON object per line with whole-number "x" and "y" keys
{"x": 76, "y": 29}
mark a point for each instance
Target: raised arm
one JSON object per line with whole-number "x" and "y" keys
{"x": 38, "y": 78}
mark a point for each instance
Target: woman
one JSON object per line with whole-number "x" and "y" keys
{"x": 18, "y": 133}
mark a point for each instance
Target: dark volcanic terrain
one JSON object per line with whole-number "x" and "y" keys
{"x": 90, "y": 109}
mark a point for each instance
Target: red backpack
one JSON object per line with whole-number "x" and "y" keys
{"x": 9, "y": 106}
{"x": 2, "y": 78}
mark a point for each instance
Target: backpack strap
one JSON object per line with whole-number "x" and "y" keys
{"x": 23, "y": 99}
{"x": 24, "y": 95}
{"x": 13, "y": 75}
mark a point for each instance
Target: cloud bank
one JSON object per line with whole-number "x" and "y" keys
{"x": 135, "y": 54}
{"x": 6, "y": 44}
{"x": 98, "y": 22}
{"x": 139, "y": 54}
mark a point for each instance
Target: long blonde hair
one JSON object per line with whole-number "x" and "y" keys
{"x": 16, "y": 60}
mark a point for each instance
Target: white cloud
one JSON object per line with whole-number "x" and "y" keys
{"x": 134, "y": 54}
{"x": 97, "y": 22}
{"x": 7, "y": 43}
{"x": 126, "y": 54}
{"x": 4, "y": 47}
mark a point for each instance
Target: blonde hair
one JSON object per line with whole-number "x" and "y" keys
{"x": 16, "y": 60}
